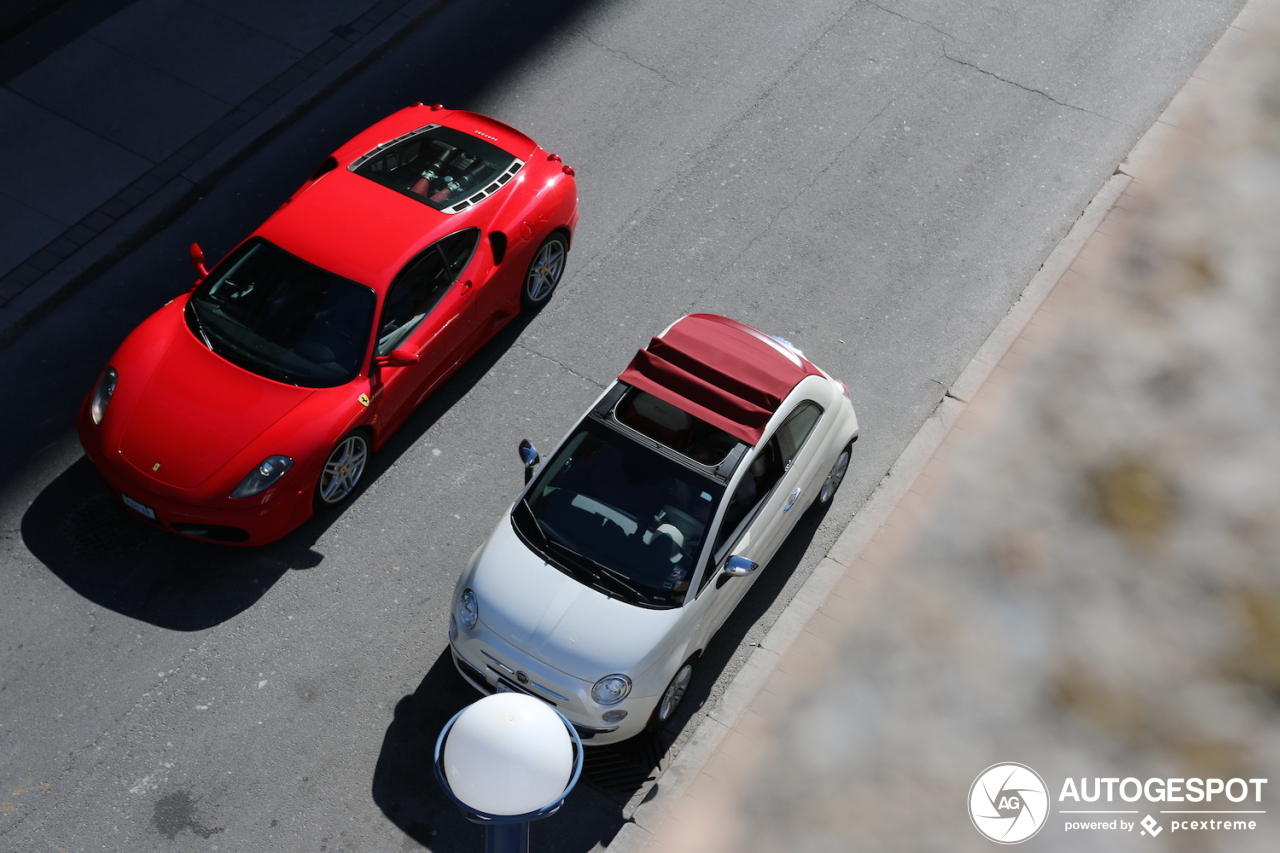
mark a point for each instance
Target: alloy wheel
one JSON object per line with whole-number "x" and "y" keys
{"x": 675, "y": 692}
{"x": 545, "y": 271}
{"x": 343, "y": 468}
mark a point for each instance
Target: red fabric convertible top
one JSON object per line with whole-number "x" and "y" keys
{"x": 722, "y": 371}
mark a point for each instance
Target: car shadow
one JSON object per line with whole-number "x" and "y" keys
{"x": 82, "y": 534}
{"x": 616, "y": 779}
{"x": 405, "y": 788}
{"x": 631, "y": 772}
{"x": 729, "y": 642}
{"x": 78, "y": 529}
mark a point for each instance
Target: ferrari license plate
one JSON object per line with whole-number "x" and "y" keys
{"x": 141, "y": 509}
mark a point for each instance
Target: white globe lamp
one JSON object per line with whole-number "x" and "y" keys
{"x": 506, "y": 760}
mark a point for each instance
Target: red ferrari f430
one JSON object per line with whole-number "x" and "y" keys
{"x": 241, "y": 407}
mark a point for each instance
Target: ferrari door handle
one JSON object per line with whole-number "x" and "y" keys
{"x": 791, "y": 501}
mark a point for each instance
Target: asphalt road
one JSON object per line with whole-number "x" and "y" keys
{"x": 875, "y": 182}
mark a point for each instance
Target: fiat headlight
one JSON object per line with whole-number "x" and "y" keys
{"x": 263, "y": 477}
{"x": 468, "y": 611}
{"x": 611, "y": 689}
{"x": 102, "y": 394}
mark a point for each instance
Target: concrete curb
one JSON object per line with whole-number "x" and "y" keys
{"x": 174, "y": 195}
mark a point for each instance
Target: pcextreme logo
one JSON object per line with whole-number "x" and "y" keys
{"x": 1009, "y": 803}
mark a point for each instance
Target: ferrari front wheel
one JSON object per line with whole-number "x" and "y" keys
{"x": 342, "y": 470}
{"x": 544, "y": 272}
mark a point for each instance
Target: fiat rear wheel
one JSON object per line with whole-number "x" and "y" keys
{"x": 836, "y": 477}
{"x": 342, "y": 470}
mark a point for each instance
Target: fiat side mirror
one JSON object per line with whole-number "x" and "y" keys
{"x": 197, "y": 261}
{"x": 739, "y": 567}
{"x": 529, "y": 456}
{"x": 398, "y": 358}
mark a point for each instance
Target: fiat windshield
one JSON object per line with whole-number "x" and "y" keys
{"x": 609, "y": 507}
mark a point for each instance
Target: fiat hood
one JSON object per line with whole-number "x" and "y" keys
{"x": 557, "y": 619}
{"x": 198, "y": 411}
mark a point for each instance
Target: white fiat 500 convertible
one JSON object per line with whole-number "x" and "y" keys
{"x": 648, "y": 523}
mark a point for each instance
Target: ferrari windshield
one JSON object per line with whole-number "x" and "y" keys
{"x": 278, "y": 316}
{"x": 627, "y": 515}
{"x": 439, "y": 166}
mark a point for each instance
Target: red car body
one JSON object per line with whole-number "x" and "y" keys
{"x": 184, "y": 427}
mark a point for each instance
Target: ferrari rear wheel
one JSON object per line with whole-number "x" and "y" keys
{"x": 342, "y": 470}
{"x": 544, "y": 272}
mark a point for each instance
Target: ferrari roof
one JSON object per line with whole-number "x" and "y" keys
{"x": 728, "y": 374}
{"x": 353, "y": 227}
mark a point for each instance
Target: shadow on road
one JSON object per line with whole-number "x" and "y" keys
{"x": 80, "y": 531}
{"x": 640, "y": 764}
{"x": 616, "y": 778}
{"x": 85, "y": 537}
{"x": 74, "y": 525}
{"x": 405, "y": 787}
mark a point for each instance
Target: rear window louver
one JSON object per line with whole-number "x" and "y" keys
{"x": 481, "y": 194}
{"x": 379, "y": 148}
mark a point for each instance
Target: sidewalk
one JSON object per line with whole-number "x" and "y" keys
{"x": 111, "y": 136}
{"x": 692, "y": 809}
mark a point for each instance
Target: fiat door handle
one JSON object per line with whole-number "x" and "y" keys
{"x": 791, "y": 501}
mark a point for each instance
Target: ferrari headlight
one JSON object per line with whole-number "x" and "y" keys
{"x": 102, "y": 394}
{"x": 611, "y": 689}
{"x": 263, "y": 477}
{"x": 468, "y": 611}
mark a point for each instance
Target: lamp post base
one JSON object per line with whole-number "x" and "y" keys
{"x": 506, "y": 838}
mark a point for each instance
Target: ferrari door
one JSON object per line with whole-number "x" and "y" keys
{"x": 427, "y": 313}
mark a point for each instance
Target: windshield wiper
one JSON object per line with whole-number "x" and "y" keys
{"x": 598, "y": 571}
{"x": 195, "y": 318}
{"x": 622, "y": 581}
{"x": 533, "y": 519}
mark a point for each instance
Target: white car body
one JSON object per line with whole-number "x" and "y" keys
{"x": 542, "y": 630}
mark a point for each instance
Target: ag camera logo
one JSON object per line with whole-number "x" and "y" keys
{"x": 1008, "y": 803}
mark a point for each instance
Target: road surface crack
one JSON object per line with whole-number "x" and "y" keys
{"x": 629, "y": 58}
{"x": 560, "y": 365}
{"x": 1026, "y": 88}
{"x": 940, "y": 32}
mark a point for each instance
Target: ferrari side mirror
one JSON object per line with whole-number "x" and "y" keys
{"x": 529, "y": 456}
{"x": 197, "y": 261}
{"x": 398, "y": 358}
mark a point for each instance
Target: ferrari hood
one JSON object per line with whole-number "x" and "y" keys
{"x": 563, "y": 623}
{"x": 198, "y": 411}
